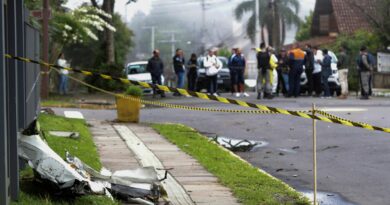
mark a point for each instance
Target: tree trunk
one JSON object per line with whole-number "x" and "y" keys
{"x": 283, "y": 24}
{"x": 276, "y": 25}
{"x": 108, "y": 7}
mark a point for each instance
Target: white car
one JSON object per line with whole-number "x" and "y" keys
{"x": 137, "y": 71}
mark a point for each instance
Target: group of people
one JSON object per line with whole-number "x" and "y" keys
{"x": 317, "y": 65}
{"x": 277, "y": 72}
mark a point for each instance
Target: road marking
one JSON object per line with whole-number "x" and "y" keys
{"x": 343, "y": 109}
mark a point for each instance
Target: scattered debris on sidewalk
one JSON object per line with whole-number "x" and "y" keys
{"x": 72, "y": 176}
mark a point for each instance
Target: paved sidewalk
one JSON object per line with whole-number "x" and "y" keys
{"x": 188, "y": 182}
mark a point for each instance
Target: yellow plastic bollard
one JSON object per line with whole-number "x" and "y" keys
{"x": 127, "y": 110}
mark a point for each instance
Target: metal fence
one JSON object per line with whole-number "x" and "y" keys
{"x": 19, "y": 90}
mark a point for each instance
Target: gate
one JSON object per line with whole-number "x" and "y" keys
{"x": 19, "y": 90}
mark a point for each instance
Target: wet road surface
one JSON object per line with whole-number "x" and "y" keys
{"x": 353, "y": 163}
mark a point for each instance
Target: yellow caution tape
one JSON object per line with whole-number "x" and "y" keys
{"x": 211, "y": 97}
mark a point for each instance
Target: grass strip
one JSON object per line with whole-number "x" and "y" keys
{"x": 248, "y": 184}
{"x": 33, "y": 193}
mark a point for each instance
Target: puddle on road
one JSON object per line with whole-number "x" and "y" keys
{"x": 327, "y": 198}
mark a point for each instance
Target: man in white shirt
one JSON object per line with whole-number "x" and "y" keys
{"x": 318, "y": 58}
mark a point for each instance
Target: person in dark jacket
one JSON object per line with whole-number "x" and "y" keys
{"x": 179, "y": 68}
{"x": 326, "y": 72}
{"x": 264, "y": 73}
{"x": 309, "y": 67}
{"x": 296, "y": 58}
{"x": 156, "y": 68}
{"x": 343, "y": 65}
{"x": 232, "y": 74}
{"x": 192, "y": 72}
{"x": 365, "y": 69}
{"x": 283, "y": 70}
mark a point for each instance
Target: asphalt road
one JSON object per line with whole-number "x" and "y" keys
{"x": 352, "y": 162}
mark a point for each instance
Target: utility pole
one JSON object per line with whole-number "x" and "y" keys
{"x": 152, "y": 36}
{"x": 45, "y": 49}
{"x": 173, "y": 41}
{"x": 258, "y": 29}
{"x": 203, "y": 30}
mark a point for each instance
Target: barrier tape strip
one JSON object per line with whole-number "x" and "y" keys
{"x": 167, "y": 105}
{"x": 210, "y": 97}
{"x": 326, "y": 114}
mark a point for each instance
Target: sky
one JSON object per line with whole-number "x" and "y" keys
{"x": 144, "y": 6}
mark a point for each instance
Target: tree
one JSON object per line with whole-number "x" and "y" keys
{"x": 304, "y": 31}
{"x": 275, "y": 15}
{"x": 108, "y": 7}
{"x": 76, "y": 27}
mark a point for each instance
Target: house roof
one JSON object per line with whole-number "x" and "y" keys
{"x": 316, "y": 41}
{"x": 351, "y": 15}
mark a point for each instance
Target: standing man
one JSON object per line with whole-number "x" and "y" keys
{"x": 318, "y": 58}
{"x": 283, "y": 71}
{"x": 264, "y": 73}
{"x": 365, "y": 69}
{"x": 238, "y": 65}
{"x": 156, "y": 68}
{"x": 179, "y": 68}
{"x": 326, "y": 72}
{"x": 192, "y": 74}
{"x": 296, "y": 61}
{"x": 231, "y": 71}
{"x": 343, "y": 71}
{"x": 309, "y": 67}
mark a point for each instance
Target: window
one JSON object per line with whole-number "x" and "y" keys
{"x": 136, "y": 69}
{"x": 324, "y": 23}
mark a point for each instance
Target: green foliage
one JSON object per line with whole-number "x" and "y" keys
{"x": 123, "y": 39}
{"x": 353, "y": 43}
{"x": 226, "y": 52}
{"x": 134, "y": 91}
{"x": 84, "y": 147}
{"x": 247, "y": 183}
{"x": 304, "y": 31}
{"x": 107, "y": 69}
{"x": 287, "y": 12}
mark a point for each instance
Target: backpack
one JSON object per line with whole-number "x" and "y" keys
{"x": 263, "y": 59}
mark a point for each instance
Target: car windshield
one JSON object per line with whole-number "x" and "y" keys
{"x": 136, "y": 69}
{"x": 222, "y": 59}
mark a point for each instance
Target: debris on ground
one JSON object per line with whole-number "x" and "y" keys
{"x": 73, "y": 176}
{"x": 73, "y": 135}
{"x": 235, "y": 145}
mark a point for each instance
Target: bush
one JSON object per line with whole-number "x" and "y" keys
{"x": 134, "y": 91}
{"x": 111, "y": 70}
{"x": 353, "y": 44}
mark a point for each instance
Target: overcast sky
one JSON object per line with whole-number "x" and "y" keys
{"x": 145, "y": 6}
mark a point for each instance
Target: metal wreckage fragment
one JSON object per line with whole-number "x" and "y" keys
{"x": 72, "y": 175}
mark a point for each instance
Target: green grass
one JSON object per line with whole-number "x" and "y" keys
{"x": 34, "y": 193}
{"x": 248, "y": 184}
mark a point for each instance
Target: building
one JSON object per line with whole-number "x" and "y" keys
{"x": 334, "y": 17}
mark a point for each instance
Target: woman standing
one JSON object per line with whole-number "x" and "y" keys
{"x": 63, "y": 87}
{"x": 213, "y": 65}
{"x": 192, "y": 72}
